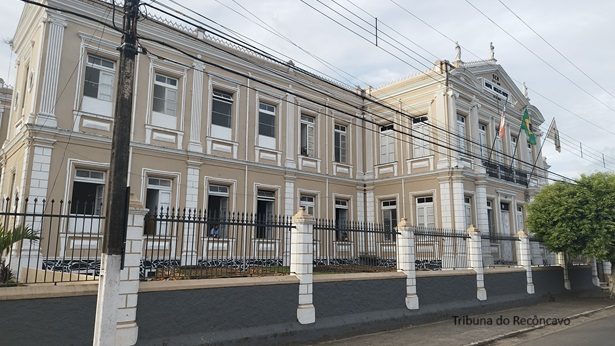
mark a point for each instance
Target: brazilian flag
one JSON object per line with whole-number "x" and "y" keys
{"x": 525, "y": 126}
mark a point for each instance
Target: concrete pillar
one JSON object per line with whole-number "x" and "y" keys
{"x": 406, "y": 262}
{"x": 475, "y": 255}
{"x": 119, "y": 307}
{"x": 482, "y": 219}
{"x": 561, "y": 261}
{"x": 606, "y": 265}
{"x": 190, "y": 236}
{"x": 595, "y": 278}
{"x": 302, "y": 264}
{"x": 289, "y": 206}
{"x": 524, "y": 259}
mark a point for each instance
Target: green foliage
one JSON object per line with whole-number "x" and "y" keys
{"x": 577, "y": 218}
{"x": 7, "y": 238}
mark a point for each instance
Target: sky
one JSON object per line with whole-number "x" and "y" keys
{"x": 581, "y": 98}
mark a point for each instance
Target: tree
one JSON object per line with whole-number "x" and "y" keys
{"x": 579, "y": 218}
{"x": 8, "y": 238}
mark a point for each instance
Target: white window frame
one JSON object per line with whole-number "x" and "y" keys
{"x": 165, "y": 119}
{"x": 267, "y": 141}
{"x": 387, "y": 144}
{"x": 519, "y": 219}
{"x": 514, "y": 140}
{"x": 420, "y": 128}
{"x": 228, "y": 97}
{"x": 461, "y": 132}
{"x": 99, "y": 105}
{"x": 341, "y": 131}
{"x": 309, "y": 122}
{"x": 482, "y": 140}
{"x": 386, "y": 205}
{"x": 308, "y": 202}
{"x": 468, "y": 214}
{"x": 100, "y": 193}
{"x": 423, "y": 203}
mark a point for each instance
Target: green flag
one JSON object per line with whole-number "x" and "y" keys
{"x": 525, "y": 126}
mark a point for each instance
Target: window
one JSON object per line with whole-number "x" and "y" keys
{"x": 490, "y": 219}
{"x": 513, "y": 150}
{"x": 482, "y": 141}
{"x": 341, "y": 220}
{"x": 165, "y": 102}
{"x": 387, "y": 144}
{"x": 88, "y": 192}
{"x": 461, "y": 133}
{"x": 307, "y": 135}
{"x": 389, "y": 218}
{"x": 98, "y": 86}
{"x": 158, "y": 200}
{"x": 425, "y": 212}
{"x": 217, "y": 208}
{"x": 530, "y": 153}
{"x": 495, "y": 89}
{"x": 265, "y": 200}
{"x": 421, "y": 134}
{"x": 266, "y": 125}
{"x": 222, "y": 108}
{"x": 467, "y": 203}
{"x": 308, "y": 203}
{"x": 520, "y": 221}
{"x": 340, "y": 143}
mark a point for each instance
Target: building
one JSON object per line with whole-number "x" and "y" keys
{"x": 228, "y": 130}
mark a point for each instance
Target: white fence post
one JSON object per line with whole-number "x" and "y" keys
{"x": 595, "y": 278}
{"x": 525, "y": 259}
{"x": 406, "y": 262}
{"x": 302, "y": 263}
{"x": 475, "y": 253}
{"x": 561, "y": 261}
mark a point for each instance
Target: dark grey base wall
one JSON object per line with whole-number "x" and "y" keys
{"x": 267, "y": 314}
{"x": 581, "y": 278}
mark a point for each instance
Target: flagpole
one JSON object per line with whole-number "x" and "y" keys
{"x": 497, "y": 134}
{"x": 512, "y": 161}
{"x": 538, "y": 156}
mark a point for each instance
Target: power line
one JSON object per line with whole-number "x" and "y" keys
{"x": 555, "y": 49}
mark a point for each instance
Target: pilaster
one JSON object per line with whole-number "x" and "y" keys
{"x": 55, "y": 38}
{"x": 197, "y": 108}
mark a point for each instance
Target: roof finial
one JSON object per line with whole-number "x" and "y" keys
{"x": 458, "y": 50}
{"x": 525, "y": 93}
{"x": 491, "y": 51}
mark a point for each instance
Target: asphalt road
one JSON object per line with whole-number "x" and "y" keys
{"x": 597, "y": 328}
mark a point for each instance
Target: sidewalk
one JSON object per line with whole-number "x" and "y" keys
{"x": 479, "y": 328}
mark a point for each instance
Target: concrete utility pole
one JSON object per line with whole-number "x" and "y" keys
{"x": 116, "y": 210}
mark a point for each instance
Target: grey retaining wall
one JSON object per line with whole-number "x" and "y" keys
{"x": 266, "y": 314}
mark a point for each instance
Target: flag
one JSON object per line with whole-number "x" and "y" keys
{"x": 527, "y": 127}
{"x": 553, "y": 134}
{"x": 502, "y": 122}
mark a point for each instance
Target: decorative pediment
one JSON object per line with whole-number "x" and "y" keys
{"x": 494, "y": 80}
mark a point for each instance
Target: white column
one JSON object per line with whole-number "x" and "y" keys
{"x": 482, "y": 219}
{"x": 197, "y": 108}
{"x": 190, "y": 237}
{"x": 302, "y": 264}
{"x": 460, "y": 222}
{"x": 525, "y": 259}
{"x": 473, "y": 123}
{"x": 371, "y": 206}
{"x": 406, "y": 262}
{"x": 55, "y": 37}
{"x": 561, "y": 261}
{"x": 127, "y": 329}
{"x": 476, "y": 261}
{"x": 369, "y": 147}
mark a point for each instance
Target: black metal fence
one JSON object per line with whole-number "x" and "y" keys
{"x": 500, "y": 250}
{"x": 505, "y": 172}
{"x": 49, "y": 241}
{"x": 191, "y": 244}
{"x": 354, "y": 247}
{"x": 439, "y": 248}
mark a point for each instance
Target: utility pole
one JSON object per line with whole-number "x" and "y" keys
{"x": 105, "y": 325}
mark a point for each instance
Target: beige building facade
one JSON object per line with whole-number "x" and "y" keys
{"x": 227, "y": 130}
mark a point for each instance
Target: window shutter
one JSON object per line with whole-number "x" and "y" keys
{"x": 343, "y": 148}
{"x": 105, "y": 88}
{"x": 310, "y": 140}
{"x": 431, "y": 220}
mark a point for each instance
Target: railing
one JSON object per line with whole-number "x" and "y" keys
{"x": 439, "y": 248}
{"x": 354, "y": 247}
{"x": 505, "y": 172}
{"x": 49, "y": 241}
{"x": 501, "y": 249}
{"x": 191, "y": 244}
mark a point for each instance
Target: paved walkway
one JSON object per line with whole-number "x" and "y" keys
{"x": 482, "y": 327}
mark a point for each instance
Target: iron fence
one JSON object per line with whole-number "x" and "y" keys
{"x": 347, "y": 247}
{"x": 440, "y": 248}
{"x": 500, "y": 250}
{"x": 191, "y": 244}
{"x": 49, "y": 241}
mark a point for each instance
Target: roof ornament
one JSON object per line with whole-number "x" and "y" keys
{"x": 525, "y": 93}
{"x": 491, "y": 51}
{"x": 458, "y": 50}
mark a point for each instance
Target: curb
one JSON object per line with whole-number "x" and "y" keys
{"x": 529, "y": 329}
